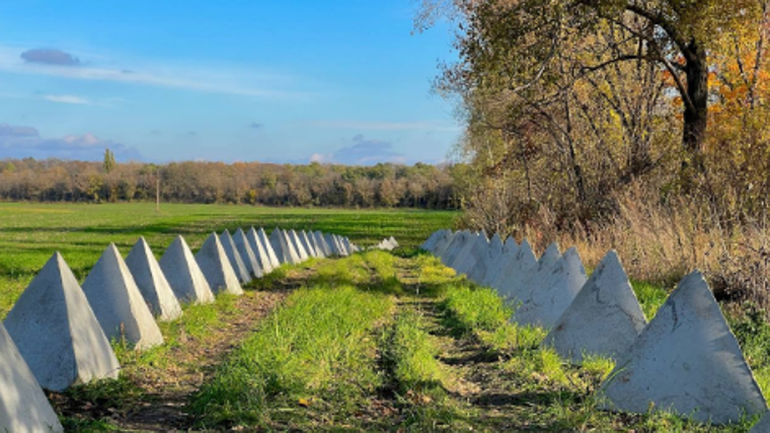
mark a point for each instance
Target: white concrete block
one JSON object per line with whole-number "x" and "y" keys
{"x": 513, "y": 276}
{"x": 152, "y": 282}
{"x": 118, "y": 304}
{"x": 281, "y": 246}
{"x": 551, "y": 296}
{"x": 184, "y": 275}
{"x": 216, "y": 267}
{"x": 23, "y": 406}
{"x": 236, "y": 261}
{"x": 262, "y": 252}
{"x": 271, "y": 254}
{"x": 297, "y": 244}
{"x": 604, "y": 319}
{"x": 57, "y": 333}
{"x": 686, "y": 361}
{"x": 247, "y": 254}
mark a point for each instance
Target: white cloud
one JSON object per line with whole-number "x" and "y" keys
{"x": 218, "y": 80}
{"x": 67, "y": 99}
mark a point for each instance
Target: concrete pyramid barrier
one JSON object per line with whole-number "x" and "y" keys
{"x": 443, "y": 243}
{"x": 271, "y": 254}
{"x": 321, "y": 242}
{"x": 551, "y": 295}
{"x": 474, "y": 257}
{"x": 184, "y": 275}
{"x": 118, "y": 304}
{"x": 57, "y": 333}
{"x": 480, "y": 258}
{"x": 604, "y": 319}
{"x": 262, "y": 251}
{"x": 247, "y": 254}
{"x": 431, "y": 241}
{"x": 297, "y": 244}
{"x": 152, "y": 282}
{"x": 282, "y": 248}
{"x": 460, "y": 241}
{"x": 311, "y": 240}
{"x": 687, "y": 361}
{"x": 234, "y": 256}
{"x": 23, "y": 406}
{"x": 216, "y": 267}
{"x": 307, "y": 244}
{"x": 489, "y": 258}
{"x": 500, "y": 254}
{"x": 514, "y": 276}
{"x": 333, "y": 247}
{"x": 465, "y": 259}
{"x": 393, "y": 242}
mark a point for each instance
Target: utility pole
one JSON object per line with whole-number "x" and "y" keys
{"x": 157, "y": 190}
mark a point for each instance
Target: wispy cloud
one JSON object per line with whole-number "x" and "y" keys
{"x": 427, "y": 125}
{"x": 25, "y": 141}
{"x": 67, "y": 99}
{"x": 220, "y": 80}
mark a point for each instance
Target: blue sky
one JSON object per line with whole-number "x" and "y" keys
{"x": 283, "y": 81}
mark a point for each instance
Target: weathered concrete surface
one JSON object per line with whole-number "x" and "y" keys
{"x": 296, "y": 242}
{"x": 313, "y": 242}
{"x": 236, "y": 261}
{"x": 474, "y": 259}
{"x": 184, "y": 275}
{"x": 152, "y": 283}
{"x": 500, "y": 254}
{"x": 309, "y": 247}
{"x": 57, "y": 333}
{"x": 118, "y": 304}
{"x": 216, "y": 267}
{"x": 459, "y": 242}
{"x": 247, "y": 254}
{"x": 321, "y": 241}
{"x": 333, "y": 246}
{"x": 686, "y": 360}
{"x": 604, "y": 319}
{"x": 554, "y": 293}
{"x": 431, "y": 241}
{"x": 262, "y": 251}
{"x": 513, "y": 277}
{"x": 23, "y": 406}
{"x": 763, "y": 426}
{"x": 282, "y": 249}
{"x": 442, "y": 243}
{"x": 344, "y": 247}
{"x": 271, "y": 254}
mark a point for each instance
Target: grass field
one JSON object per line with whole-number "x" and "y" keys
{"x": 31, "y": 233}
{"x": 371, "y": 342}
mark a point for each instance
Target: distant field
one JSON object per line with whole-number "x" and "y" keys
{"x": 31, "y": 233}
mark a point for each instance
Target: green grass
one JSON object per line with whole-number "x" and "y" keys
{"x": 315, "y": 352}
{"x": 31, "y": 233}
{"x": 482, "y": 312}
{"x": 411, "y": 354}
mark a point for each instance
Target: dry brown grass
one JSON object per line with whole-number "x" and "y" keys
{"x": 661, "y": 242}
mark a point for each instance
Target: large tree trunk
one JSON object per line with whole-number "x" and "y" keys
{"x": 696, "y": 115}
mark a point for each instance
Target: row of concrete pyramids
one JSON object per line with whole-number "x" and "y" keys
{"x": 58, "y": 332}
{"x": 685, "y": 359}
{"x": 387, "y": 244}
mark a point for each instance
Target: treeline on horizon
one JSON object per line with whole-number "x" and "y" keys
{"x": 382, "y": 185}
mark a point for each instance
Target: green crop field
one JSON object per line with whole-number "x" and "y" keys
{"x": 31, "y": 233}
